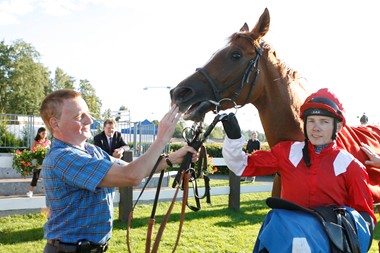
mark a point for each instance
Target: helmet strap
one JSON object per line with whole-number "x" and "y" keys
{"x": 305, "y": 150}
{"x": 333, "y": 137}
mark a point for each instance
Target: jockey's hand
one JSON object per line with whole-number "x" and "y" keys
{"x": 374, "y": 159}
{"x": 231, "y": 126}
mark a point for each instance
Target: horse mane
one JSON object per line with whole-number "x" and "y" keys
{"x": 284, "y": 68}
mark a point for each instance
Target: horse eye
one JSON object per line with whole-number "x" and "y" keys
{"x": 236, "y": 55}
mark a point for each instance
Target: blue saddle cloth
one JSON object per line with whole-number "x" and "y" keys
{"x": 290, "y": 231}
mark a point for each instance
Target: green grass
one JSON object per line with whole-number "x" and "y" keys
{"x": 213, "y": 229}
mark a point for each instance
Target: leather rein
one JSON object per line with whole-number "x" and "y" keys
{"x": 185, "y": 175}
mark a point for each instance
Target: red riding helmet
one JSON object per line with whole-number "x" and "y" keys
{"x": 323, "y": 102}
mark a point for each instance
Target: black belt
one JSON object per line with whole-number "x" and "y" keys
{"x": 81, "y": 247}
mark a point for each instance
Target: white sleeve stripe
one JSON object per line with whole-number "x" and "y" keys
{"x": 341, "y": 162}
{"x": 295, "y": 154}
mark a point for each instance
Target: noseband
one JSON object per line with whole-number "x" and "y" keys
{"x": 252, "y": 66}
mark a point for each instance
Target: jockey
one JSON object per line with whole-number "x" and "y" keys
{"x": 315, "y": 172}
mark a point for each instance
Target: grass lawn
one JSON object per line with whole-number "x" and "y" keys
{"x": 213, "y": 229}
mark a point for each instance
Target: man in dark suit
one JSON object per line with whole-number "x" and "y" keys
{"x": 111, "y": 140}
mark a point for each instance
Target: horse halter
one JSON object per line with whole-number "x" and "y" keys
{"x": 252, "y": 66}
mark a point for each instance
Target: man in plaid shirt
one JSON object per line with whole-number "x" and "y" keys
{"x": 80, "y": 178}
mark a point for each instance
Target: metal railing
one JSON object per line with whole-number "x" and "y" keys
{"x": 16, "y": 131}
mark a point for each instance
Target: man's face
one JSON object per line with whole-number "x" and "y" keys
{"x": 319, "y": 129}
{"x": 109, "y": 129}
{"x": 74, "y": 125}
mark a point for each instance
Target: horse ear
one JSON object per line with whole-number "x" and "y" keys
{"x": 245, "y": 28}
{"x": 262, "y": 26}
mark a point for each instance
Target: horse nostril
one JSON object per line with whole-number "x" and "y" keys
{"x": 181, "y": 94}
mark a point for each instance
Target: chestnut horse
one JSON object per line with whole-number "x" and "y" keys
{"x": 247, "y": 70}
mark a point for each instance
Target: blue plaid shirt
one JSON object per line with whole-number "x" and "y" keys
{"x": 79, "y": 209}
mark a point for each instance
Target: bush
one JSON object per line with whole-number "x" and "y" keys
{"x": 213, "y": 150}
{"x": 7, "y": 140}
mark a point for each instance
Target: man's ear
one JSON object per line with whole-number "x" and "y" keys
{"x": 54, "y": 123}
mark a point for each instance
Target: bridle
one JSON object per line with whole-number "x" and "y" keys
{"x": 252, "y": 66}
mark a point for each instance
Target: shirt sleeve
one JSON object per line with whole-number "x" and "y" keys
{"x": 233, "y": 155}
{"x": 358, "y": 187}
{"x": 260, "y": 163}
{"x": 263, "y": 162}
{"x": 81, "y": 170}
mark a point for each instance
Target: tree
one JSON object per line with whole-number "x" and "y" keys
{"x": 123, "y": 108}
{"x": 89, "y": 95}
{"x": 24, "y": 81}
{"x": 178, "y": 129}
{"x": 217, "y": 133}
{"x": 107, "y": 114}
{"x": 123, "y": 114}
{"x": 62, "y": 80}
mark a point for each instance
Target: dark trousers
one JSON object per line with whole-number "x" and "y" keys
{"x": 55, "y": 246}
{"x": 62, "y": 248}
{"x": 36, "y": 175}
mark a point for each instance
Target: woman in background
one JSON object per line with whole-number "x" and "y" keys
{"x": 41, "y": 140}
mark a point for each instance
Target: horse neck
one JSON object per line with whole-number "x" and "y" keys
{"x": 278, "y": 107}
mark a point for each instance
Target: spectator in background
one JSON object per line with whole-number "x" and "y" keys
{"x": 111, "y": 140}
{"x": 364, "y": 120}
{"x": 252, "y": 145}
{"x": 41, "y": 140}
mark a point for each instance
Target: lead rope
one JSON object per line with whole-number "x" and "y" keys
{"x": 186, "y": 177}
{"x": 151, "y": 221}
{"x": 183, "y": 177}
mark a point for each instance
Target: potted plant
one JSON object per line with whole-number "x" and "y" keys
{"x": 24, "y": 162}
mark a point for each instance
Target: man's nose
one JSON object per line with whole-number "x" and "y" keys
{"x": 88, "y": 119}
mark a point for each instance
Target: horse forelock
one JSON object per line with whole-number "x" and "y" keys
{"x": 246, "y": 35}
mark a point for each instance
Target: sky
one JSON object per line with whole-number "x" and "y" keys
{"x": 123, "y": 46}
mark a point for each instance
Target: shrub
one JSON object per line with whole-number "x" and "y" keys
{"x": 7, "y": 140}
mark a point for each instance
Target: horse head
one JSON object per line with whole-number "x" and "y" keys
{"x": 230, "y": 74}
